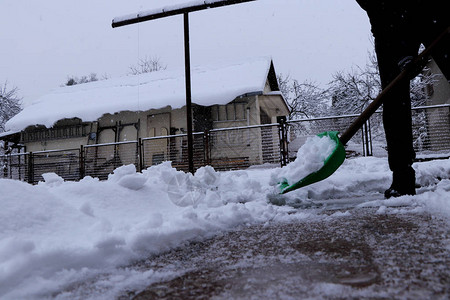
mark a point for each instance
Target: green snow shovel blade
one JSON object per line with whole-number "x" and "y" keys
{"x": 331, "y": 164}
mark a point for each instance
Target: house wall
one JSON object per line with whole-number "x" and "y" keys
{"x": 69, "y": 143}
{"x": 130, "y": 126}
{"x": 241, "y": 112}
{"x": 69, "y": 134}
{"x": 439, "y": 92}
{"x": 272, "y": 105}
{"x": 246, "y": 144}
{"x": 236, "y": 144}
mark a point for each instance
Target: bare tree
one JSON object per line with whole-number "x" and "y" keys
{"x": 351, "y": 92}
{"x": 147, "y": 65}
{"x": 419, "y": 91}
{"x": 305, "y": 100}
{"x": 10, "y": 104}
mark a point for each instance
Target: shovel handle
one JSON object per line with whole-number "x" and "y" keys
{"x": 375, "y": 104}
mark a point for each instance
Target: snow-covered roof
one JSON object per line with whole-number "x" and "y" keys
{"x": 218, "y": 84}
{"x": 8, "y": 133}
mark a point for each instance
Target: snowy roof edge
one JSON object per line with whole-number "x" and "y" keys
{"x": 8, "y": 133}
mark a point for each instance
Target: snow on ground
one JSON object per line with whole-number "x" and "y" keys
{"x": 58, "y": 233}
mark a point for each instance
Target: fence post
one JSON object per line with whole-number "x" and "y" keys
{"x": 370, "y": 138}
{"x": 5, "y": 161}
{"x": 282, "y": 129}
{"x": 19, "y": 163}
{"x": 9, "y": 164}
{"x": 366, "y": 140}
{"x": 5, "y": 166}
{"x": 206, "y": 147}
{"x": 30, "y": 168}
{"x": 82, "y": 162}
{"x": 140, "y": 162}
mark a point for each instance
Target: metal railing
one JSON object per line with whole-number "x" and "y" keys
{"x": 173, "y": 148}
{"x": 227, "y": 148}
{"x": 224, "y": 149}
{"x": 100, "y": 160}
{"x": 431, "y": 132}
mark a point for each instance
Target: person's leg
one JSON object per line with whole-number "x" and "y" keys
{"x": 395, "y": 29}
{"x": 396, "y": 117}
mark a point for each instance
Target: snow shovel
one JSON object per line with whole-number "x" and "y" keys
{"x": 337, "y": 157}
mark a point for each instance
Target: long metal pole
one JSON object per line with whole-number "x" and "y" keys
{"x": 187, "y": 68}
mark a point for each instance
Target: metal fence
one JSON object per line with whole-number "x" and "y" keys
{"x": 431, "y": 129}
{"x": 15, "y": 166}
{"x": 228, "y": 148}
{"x": 101, "y": 160}
{"x": 156, "y": 150}
{"x": 431, "y": 132}
{"x": 223, "y": 149}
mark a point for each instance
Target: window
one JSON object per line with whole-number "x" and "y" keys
{"x": 222, "y": 113}
{"x": 230, "y": 112}
{"x": 44, "y": 134}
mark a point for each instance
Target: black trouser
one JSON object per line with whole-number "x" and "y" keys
{"x": 399, "y": 27}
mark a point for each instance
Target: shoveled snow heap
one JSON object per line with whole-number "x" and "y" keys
{"x": 56, "y": 234}
{"x": 310, "y": 158}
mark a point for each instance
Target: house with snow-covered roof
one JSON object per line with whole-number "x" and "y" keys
{"x": 149, "y": 105}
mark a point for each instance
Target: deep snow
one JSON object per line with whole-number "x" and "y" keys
{"x": 58, "y": 233}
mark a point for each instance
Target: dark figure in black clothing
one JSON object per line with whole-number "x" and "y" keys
{"x": 399, "y": 27}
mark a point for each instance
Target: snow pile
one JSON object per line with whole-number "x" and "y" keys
{"x": 56, "y": 234}
{"x": 62, "y": 231}
{"x": 310, "y": 158}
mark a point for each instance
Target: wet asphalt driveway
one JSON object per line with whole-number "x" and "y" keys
{"x": 359, "y": 255}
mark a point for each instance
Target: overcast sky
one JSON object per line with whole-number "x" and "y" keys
{"x": 43, "y": 42}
